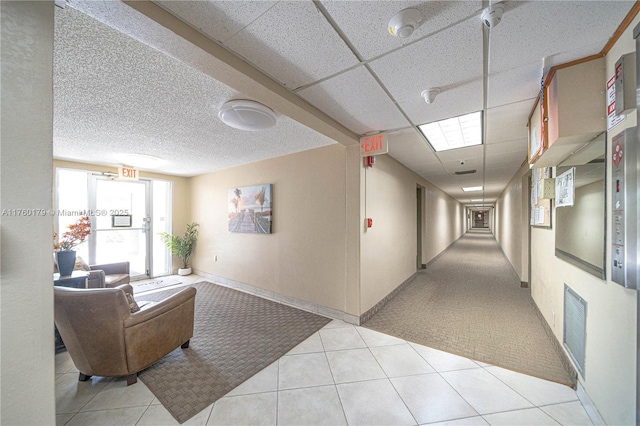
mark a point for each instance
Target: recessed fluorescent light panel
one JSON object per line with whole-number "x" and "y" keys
{"x": 456, "y": 132}
{"x": 472, "y": 188}
{"x": 476, "y": 200}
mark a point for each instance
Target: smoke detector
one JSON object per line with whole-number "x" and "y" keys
{"x": 404, "y": 23}
{"x": 247, "y": 115}
{"x": 430, "y": 95}
{"x": 492, "y": 15}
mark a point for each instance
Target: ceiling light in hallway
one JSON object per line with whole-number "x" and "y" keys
{"x": 140, "y": 160}
{"x": 247, "y": 115}
{"x": 456, "y": 132}
{"x": 472, "y": 188}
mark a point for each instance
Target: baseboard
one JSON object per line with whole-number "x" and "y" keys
{"x": 281, "y": 298}
{"x": 374, "y": 310}
{"x": 566, "y": 362}
{"x": 591, "y": 409}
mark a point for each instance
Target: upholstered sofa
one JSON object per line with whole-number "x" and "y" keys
{"x": 108, "y": 275}
{"x": 104, "y": 337}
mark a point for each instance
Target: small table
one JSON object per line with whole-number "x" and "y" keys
{"x": 77, "y": 279}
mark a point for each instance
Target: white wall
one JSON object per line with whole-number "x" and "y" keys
{"x": 388, "y": 249}
{"x": 610, "y": 378}
{"x": 26, "y": 293}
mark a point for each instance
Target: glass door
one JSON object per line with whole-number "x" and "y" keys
{"x": 121, "y": 226}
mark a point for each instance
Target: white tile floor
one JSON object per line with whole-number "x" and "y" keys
{"x": 342, "y": 374}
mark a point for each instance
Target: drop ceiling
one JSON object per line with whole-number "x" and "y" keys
{"x": 134, "y": 79}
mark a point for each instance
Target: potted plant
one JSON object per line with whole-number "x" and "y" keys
{"x": 182, "y": 246}
{"x": 63, "y": 248}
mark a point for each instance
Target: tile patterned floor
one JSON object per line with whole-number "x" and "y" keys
{"x": 341, "y": 375}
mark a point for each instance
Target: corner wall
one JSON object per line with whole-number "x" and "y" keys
{"x": 26, "y": 294}
{"x": 388, "y": 249}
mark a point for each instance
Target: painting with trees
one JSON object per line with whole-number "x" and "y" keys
{"x": 250, "y": 209}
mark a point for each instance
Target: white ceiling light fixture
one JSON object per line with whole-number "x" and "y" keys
{"x": 140, "y": 160}
{"x": 405, "y": 22}
{"x": 429, "y": 95}
{"x": 492, "y": 15}
{"x": 472, "y": 188}
{"x": 247, "y": 115}
{"x": 456, "y": 132}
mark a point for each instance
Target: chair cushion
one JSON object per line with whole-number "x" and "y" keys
{"x": 80, "y": 265}
{"x": 132, "y": 302}
{"x": 116, "y": 279}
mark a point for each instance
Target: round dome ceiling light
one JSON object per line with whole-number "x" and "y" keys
{"x": 247, "y": 115}
{"x": 405, "y": 22}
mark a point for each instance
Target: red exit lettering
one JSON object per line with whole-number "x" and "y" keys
{"x": 371, "y": 144}
{"x": 129, "y": 173}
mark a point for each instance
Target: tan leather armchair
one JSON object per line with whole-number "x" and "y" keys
{"x": 104, "y": 338}
{"x": 108, "y": 275}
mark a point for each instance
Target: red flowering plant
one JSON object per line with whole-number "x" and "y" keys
{"x": 77, "y": 233}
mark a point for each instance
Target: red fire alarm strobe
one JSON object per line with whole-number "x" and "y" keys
{"x": 369, "y": 160}
{"x": 369, "y": 222}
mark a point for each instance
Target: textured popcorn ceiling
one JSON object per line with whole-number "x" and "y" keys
{"x": 341, "y": 73}
{"x": 114, "y": 96}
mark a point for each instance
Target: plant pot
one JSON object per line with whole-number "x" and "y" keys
{"x": 66, "y": 260}
{"x": 184, "y": 271}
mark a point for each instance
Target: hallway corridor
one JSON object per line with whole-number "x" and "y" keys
{"x": 469, "y": 302}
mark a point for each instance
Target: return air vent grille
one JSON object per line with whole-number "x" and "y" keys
{"x": 466, "y": 172}
{"x": 575, "y": 327}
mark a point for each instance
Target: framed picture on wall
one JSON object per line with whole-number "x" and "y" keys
{"x": 250, "y": 209}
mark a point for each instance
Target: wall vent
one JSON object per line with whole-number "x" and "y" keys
{"x": 575, "y": 327}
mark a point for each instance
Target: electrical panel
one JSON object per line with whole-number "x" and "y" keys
{"x": 624, "y": 209}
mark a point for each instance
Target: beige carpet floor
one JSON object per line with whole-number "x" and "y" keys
{"x": 235, "y": 336}
{"x": 469, "y": 302}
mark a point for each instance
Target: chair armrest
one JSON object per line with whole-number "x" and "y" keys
{"x": 95, "y": 279}
{"x": 166, "y": 305}
{"x": 112, "y": 268}
{"x": 126, "y": 288}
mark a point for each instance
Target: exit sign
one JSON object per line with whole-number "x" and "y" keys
{"x": 128, "y": 173}
{"x": 374, "y": 145}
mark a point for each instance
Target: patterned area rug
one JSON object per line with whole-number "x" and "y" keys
{"x": 235, "y": 336}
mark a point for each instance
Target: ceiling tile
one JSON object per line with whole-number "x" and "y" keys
{"x": 409, "y": 148}
{"x": 150, "y": 104}
{"x": 530, "y": 31}
{"x": 217, "y": 19}
{"x": 365, "y": 22}
{"x": 356, "y": 100}
{"x": 515, "y": 147}
{"x": 467, "y": 153}
{"x": 449, "y": 58}
{"x": 508, "y": 122}
{"x": 514, "y": 85}
{"x": 281, "y": 44}
{"x": 451, "y": 102}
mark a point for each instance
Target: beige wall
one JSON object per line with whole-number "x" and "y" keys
{"x": 511, "y": 222}
{"x": 26, "y": 293}
{"x": 320, "y": 250}
{"x": 610, "y": 378}
{"x": 388, "y": 249}
{"x": 304, "y": 257}
{"x": 181, "y": 214}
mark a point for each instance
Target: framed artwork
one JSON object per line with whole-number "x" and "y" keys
{"x": 250, "y": 209}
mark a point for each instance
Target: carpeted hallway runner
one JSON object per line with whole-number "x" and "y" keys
{"x": 235, "y": 336}
{"x": 469, "y": 302}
